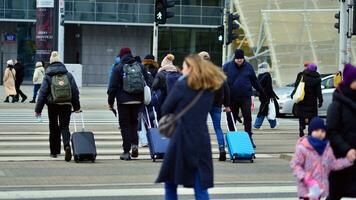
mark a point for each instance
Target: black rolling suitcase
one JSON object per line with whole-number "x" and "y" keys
{"x": 83, "y": 143}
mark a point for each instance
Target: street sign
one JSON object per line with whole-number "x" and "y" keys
{"x": 9, "y": 37}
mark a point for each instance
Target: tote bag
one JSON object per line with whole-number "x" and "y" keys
{"x": 300, "y": 92}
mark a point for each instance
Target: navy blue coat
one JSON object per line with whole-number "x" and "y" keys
{"x": 241, "y": 80}
{"x": 189, "y": 151}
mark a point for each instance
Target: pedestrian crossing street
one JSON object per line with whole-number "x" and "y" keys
{"x": 28, "y": 139}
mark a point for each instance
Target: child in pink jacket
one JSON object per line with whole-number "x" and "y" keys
{"x": 313, "y": 161}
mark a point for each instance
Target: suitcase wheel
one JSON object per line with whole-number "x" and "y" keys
{"x": 251, "y": 160}
{"x": 93, "y": 161}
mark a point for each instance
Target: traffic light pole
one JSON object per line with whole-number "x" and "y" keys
{"x": 343, "y": 36}
{"x": 155, "y": 41}
{"x": 224, "y": 56}
{"x": 61, "y": 29}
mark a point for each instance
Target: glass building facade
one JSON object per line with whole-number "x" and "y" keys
{"x": 95, "y": 30}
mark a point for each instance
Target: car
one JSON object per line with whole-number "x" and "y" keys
{"x": 286, "y": 104}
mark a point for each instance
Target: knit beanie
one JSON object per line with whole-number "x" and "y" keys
{"x": 39, "y": 64}
{"x": 149, "y": 57}
{"x": 306, "y": 63}
{"x": 315, "y": 124}
{"x": 349, "y": 74}
{"x": 54, "y": 57}
{"x": 204, "y": 55}
{"x": 168, "y": 60}
{"x": 239, "y": 54}
{"x": 124, "y": 51}
{"x": 312, "y": 67}
{"x": 10, "y": 62}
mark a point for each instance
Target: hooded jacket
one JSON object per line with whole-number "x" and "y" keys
{"x": 151, "y": 66}
{"x": 45, "y": 90}
{"x": 38, "y": 75}
{"x": 116, "y": 83}
{"x": 20, "y": 73}
{"x": 308, "y": 108}
{"x": 341, "y": 131}
{"x": 308, "y": 164}
{"x": 9, "y": 81}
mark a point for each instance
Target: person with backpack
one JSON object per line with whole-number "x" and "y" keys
{"x": 188, "y": 160}
{"x": 60, "y": 93}
{"x": 167, "y": 75}
{"x": 9, "y": 82}
{"x": 38, "y": 76}
{"x": 151, "y": 65}
{"x": 308, "y": 107}
{"x": 221, "y": 97}
{"x": 20, "y": 74}
{"x": 265, "y": 80}
{"x": 127, "y": 86}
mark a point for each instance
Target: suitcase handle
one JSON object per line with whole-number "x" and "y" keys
{"x": 233, "y": 122}
{"x": 148, "y": 117}
{"x": 75, "y": 123}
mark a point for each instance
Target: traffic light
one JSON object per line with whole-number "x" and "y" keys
{"x": 161, "y": 14}
{"x": 337, "y": 25}
{"x": 220, "y": 34}
{"x": 232, "y": 26}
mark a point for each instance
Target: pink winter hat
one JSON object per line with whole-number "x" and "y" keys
{"x": 349, "y": 74}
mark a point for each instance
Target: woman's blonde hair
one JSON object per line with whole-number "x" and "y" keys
{"x": 204, "y": 75}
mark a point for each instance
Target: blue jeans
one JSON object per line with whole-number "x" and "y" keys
{"x": 200, "y": 193}
{"x": 260, "y": 119}
{"x": 215, "y": 114}
{"x": 36, "y": 87}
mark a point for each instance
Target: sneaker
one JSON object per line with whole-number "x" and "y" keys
{"x": 256, "y": 128}
{"x": 125, "y": 156}
{"x": 134, "y": 151}
{"x": 222, "y": 154}
{"x": 68, "y": 154}
{"x": 276, "y": 126}
{"x": 32, "y": 101}
{"x": 6, "y": 101}
{"x": 24, "y": 99}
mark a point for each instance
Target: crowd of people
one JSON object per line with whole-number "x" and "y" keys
{"x": 326, "y": 148}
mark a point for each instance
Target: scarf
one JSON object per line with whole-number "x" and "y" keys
{"x": 168, "y": 68}
{"x": 317, "y": 144}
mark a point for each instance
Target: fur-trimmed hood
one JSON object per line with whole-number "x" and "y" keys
{"x": 150, "y": 63}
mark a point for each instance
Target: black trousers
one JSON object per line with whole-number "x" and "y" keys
{"x": 245, "y": 105}
{"x": 59, "y": 118}
{"x": 128, "y": 121}
{"x": 19, "y": 92}
{"x": 302, "y": 124}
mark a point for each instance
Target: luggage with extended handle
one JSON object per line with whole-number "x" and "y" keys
{"x": 157, "y": 143}
{"x": 83, "y": 143}
{"x": 239, "y": 144}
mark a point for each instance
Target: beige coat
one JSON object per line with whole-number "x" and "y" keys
{"x": 9, "y": 81}
{"x": 38, "y": 75}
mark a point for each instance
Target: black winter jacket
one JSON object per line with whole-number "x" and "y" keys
{"x": 341, "y": 131}
{"x": 222, "y": 96}
{"x": 45, "y": 90}
{"x": 308, "y": 108}
{"x": 20, "y": 73}
{"x": 116, "y": 83}
{"x": 265, "y": 81}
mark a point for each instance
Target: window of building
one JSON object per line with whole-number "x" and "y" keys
{"x": 191, "y": 2}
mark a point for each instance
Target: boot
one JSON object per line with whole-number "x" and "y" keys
{"x": 33, "y": 100}
{"x": 134, "y": 151}
{"x": 68, "y": 154}
{"x": 301, "y": 133}
{"x": 125, "y": 156}
{"x": 24, "y": 99}
{"x": 6, "y": 100}
{"x": 222, "y": 154}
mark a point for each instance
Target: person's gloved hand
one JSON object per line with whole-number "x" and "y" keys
{"x": 320, "y": 104}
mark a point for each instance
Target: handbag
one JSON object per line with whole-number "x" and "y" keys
{"x": 300, "y": 92}
{"x": 271, "y": 110}
{"x": 147, "y": 95}
{"x": 167, "y": 124}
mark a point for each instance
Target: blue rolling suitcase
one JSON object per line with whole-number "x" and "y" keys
{"x": 83, "y": 144}
{"x": 239, "y": 145}
{"x": 157, "y": 143}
